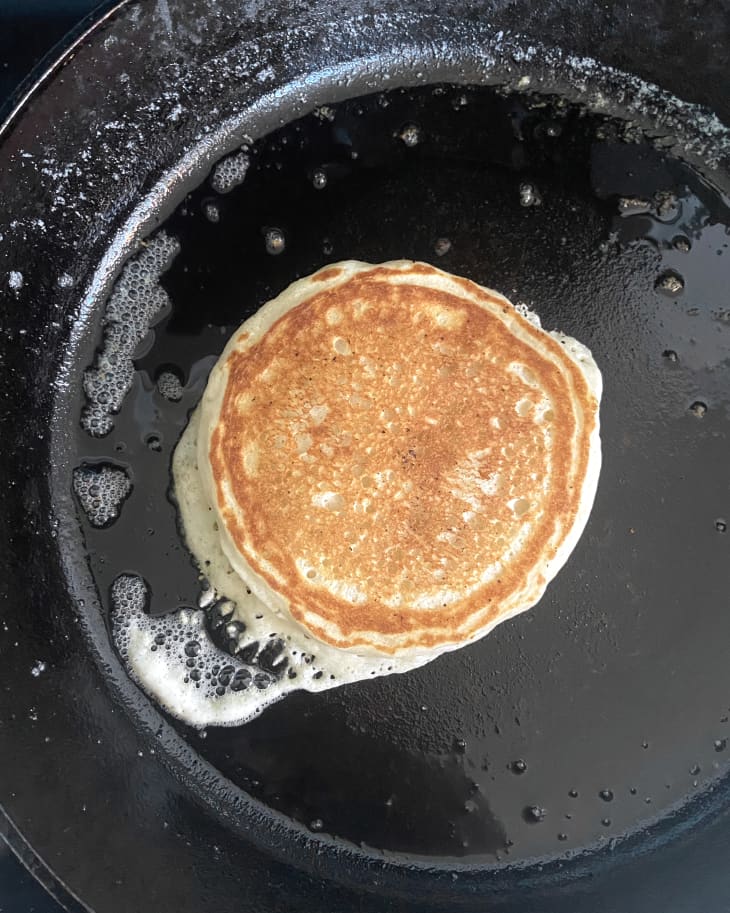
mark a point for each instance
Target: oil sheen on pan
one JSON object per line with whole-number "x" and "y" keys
{"x": 616, "y": 243}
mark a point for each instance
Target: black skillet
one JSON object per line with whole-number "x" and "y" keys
{"x": 576, "y": 758}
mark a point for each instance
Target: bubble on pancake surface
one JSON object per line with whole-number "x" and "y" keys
{"x": 230, "y": 172}
{"x": 136, "y": 302}
{"x": 101, "y": 491}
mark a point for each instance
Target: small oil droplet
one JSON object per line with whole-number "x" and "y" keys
{"x": 519, "y": 766}
{"x": 410, "y": 135}
{"x": 319, "y": 179}
{"x": 529, "y": 195}
{"x": 666, "y": 205}
{"x": 698, "y": 409}
{"x": 670, "y": 283}
{"x": 274, "y": 241}
{"x": 533, "y": 814}
{"x": 212, "y": 212}
{"x": 606, "y": 795}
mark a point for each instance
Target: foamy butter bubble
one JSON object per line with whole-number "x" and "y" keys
{"x": 324, "y": 113}
{"x": 136, "y": 302}
{"x": 173, "y": 657}
{"x": 101, "y": 491}
{"x": 170, "y": 386}
{"x": 230, "y": 172}
{"x": 582, "y": 356}
{"x": 530, "y": 316}
{"x": 174, "y": 660}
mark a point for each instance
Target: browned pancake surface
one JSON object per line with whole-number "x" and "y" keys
{"x": 377, "y": 453}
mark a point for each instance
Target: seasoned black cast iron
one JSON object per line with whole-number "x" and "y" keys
{"x": 575, "y": 758}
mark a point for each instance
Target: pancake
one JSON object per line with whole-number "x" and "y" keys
{"x": 394, "y": 459}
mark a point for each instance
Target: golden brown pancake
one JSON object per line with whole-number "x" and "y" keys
{"x": 397, "y": 458}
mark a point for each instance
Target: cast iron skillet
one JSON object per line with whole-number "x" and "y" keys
{"x": 615, "y": 688}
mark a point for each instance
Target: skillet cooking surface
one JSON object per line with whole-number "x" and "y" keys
{"x": 560, "y": 728}
{"x": 614, "y": 688}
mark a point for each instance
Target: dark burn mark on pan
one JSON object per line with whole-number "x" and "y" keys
{"x": 588, "y": 690}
